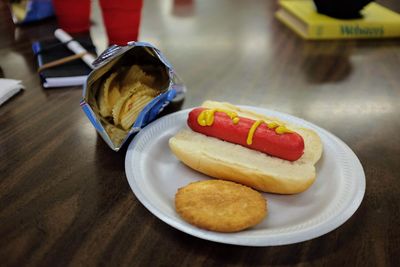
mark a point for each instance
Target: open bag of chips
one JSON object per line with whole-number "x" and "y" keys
{"x": 128, "y": 88}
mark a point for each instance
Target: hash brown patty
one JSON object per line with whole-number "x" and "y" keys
{"x": 219, "y": 205}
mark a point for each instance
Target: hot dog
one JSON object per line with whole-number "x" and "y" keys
{"x": 270, "y": 138}
{"x": 221, "y": 149}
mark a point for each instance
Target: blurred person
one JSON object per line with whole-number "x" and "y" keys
{"x": 121, "y": 18}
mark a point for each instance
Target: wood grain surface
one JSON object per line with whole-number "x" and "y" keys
{"x": 64, "y": 196}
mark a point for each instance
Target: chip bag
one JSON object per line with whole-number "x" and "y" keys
{"x": 128, "y": 88}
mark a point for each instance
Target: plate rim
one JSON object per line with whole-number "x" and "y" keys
{"x": 230, "y": 238}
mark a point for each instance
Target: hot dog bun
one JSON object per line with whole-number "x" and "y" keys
{"x": 228, "y": 161}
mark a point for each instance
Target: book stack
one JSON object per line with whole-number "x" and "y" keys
{"x": 302, "y": 17}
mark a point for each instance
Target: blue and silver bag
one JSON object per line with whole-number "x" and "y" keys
{"x": 115, "y": 60}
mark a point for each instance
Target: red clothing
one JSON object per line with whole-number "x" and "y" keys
{"x": 121, "y": 18}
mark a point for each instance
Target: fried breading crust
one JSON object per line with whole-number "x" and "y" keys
{"x": 221, "y": 206}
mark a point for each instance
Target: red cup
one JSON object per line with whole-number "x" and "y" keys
{"x": 73, "y": 16}
{"x": 122, "y": 20}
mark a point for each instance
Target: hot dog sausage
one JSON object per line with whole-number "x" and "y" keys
{"x": 269, "y": 138}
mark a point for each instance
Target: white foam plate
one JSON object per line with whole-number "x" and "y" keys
{"x": 155, "y": 174}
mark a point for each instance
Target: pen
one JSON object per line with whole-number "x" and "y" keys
{"x": 60, "y": 61}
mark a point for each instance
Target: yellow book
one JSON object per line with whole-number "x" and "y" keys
{"x": 302, "y": 17}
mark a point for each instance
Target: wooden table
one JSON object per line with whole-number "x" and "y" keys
{"x": 64, "y": 196}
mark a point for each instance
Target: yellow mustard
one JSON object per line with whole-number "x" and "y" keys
{"x": 206, "y": 117}
{"x": 253, "y": 128}
{"x": 279, "y": 129}
{"x": 272, "y": 125}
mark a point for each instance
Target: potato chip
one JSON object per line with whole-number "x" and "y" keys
{"x": 103, "y": 107}
{"x": 116, "y": 134}
{"x": 103, "y": 98}
{"x": 116, "y": 111}
{"x": 123, "y": 95}
{"x": 130, "y": 88}
{"x": 117, "y": 108}
{"x": 136, "y": 74}
{"x": 129, "y": 118}
{"x": 125, "y": 104}
{"x": 145, "y": 90}
{"x": 113, "y": 95}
